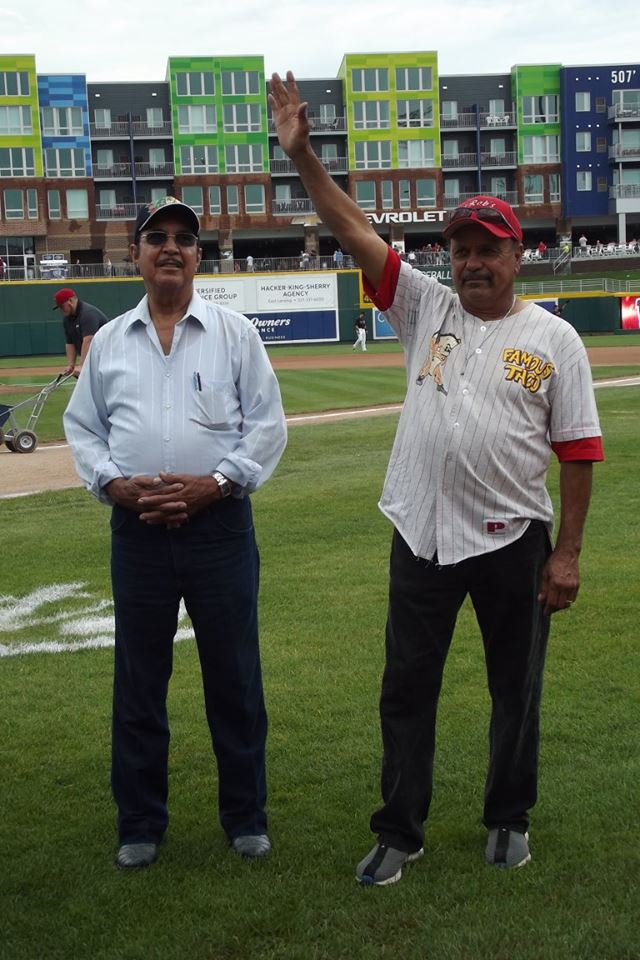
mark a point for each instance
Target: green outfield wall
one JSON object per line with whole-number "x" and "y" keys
{"x": 30, "y": 327}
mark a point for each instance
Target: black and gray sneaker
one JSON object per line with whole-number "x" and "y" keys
{"x": 507, "y": 848}
{"x": 383, "y": 865}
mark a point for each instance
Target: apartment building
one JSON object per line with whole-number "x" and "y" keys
{"x": 77, "y": 159}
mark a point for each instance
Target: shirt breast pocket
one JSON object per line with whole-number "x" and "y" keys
{"x": 213, "y": 403}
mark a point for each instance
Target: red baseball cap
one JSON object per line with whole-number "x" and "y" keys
{"x": 493, "y": 214}
{"x": 62, "y": 296}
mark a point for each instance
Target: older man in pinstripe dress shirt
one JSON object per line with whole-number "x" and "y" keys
{"x": 176, "y": 418}
{"x": 495, "y": 385}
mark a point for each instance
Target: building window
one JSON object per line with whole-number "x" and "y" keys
{"x": 329, "y": 152}
{"x": 540, "y": 109}
{"x": 13, "y": 205}
{"x": 541, "y": 149}
{"x": 499, "y": 187}
{"x": 371, "y": 115}
{"x": 583, "y": 141}
{"x": 583, "y": 181}
{"x": 369, "y": 80}
{"x": 156, "y": 156}
{"x": 601, "y": 144}
{"x": 327, "y": 112}
{"x": 425, "y": 193}
{"x": 603, "y": 186}
{"x": 195, "y": 84}
{"x": 387, "y": 194}
{"x": 215, "y": 203}
{"x": 254, "y": 198}
{"x": 452, "y": 190}
{"x": 233, "y": 205}
{"x": 63, "y": 162}
{"x": 199, "y": 159}
{"x": 497, "y": 147}
{"x": 450, "y": 149}
{"x": 601, "y": 104}
{"x": 496, "y": 108}
{"x": 242, "y": 117}
{"x": 193, "y": 197}
{"x": 415, "y": 153}
{"x": 16, "y": 162}
{"x": 62, "y": 121}
{"x": 53, "y": 202}
{"x": 449, "y": 109}
{"x": 32, "y": 204}
{"x": 102, "y": 118}
{"x": 414, "y": 78}
{"x": 554, "y": 188}
{"x": 415, "y": 113}
{"x": 583, "y": 101}
{"x": 154, "y": 117}
{"x": 197, "y": 119}
{"x": 77, "y": 205}
{"x": 243, "y": 158}
{"x": 366, "y": 194}
{"x": 240, "y": 82}
{"x": 107, "y": 199}
{"x": 533, "y": 188}
{"x": 158, "y": 193}
{"x": 404, "y": 194}
{"x": 15, "y": 121}
{"x": 104, "y": 160}
{"x": 373, "y": 154}
{"x": 14, "y": 83}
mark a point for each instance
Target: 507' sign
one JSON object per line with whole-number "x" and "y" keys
{"x": 622, "y": 76}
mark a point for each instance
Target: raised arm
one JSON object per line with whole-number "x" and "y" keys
{"x": 344, "y": 218}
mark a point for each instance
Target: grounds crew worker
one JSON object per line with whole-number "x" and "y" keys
{"x": 495, "y": 385}
{"x": 176, "y": 418}
{"x": 81, "y": 322}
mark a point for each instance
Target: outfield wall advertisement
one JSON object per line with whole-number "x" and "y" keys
{"x": 283, "y": 307}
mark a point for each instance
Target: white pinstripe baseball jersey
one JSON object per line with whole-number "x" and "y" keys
{"x": 484, "y": 401}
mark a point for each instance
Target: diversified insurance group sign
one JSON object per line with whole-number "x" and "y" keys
{"x": 284, "y": 308}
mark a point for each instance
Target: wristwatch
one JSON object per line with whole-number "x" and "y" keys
{"x": 224, "y": 484}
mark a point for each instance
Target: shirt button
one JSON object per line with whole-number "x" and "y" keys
{"x": 482, "y": 329}
{"x": 167, "y": 374}
{"x": 465, "y": 391}
{"x": 167, "y": 439}
{"x": 478, "y": 350}
{"x": 456, "y": 424}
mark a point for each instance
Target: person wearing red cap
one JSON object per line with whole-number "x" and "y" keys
{"x": 81, "y": 322}
{"x": 495, "y": 385}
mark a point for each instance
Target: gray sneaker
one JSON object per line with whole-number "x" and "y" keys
{"x": 254, "y": 846}
{"x": 507, "y": 848}
{"x": 383, "y": 865}
{"x": 134, "y": 856}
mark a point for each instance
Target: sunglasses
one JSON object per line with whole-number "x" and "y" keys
{"x": 158, "y": 238}
{"x": 484, "y": 214}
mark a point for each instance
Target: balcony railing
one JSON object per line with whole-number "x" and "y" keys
{"x": 624, "y": 191}
{"x": 462, "y": 160}
{"x": 498, "y": 119}
{"x": 618, "y": 152}
{"x": 289, "y": 208}
{"x": 619, "y": 112}
{"x": 283, "y": 167}
{"x": 115, "y": 171}
{"x": 121, "y": 211}
{"x": 460, "y": 120}
{"x": 498, "y": 159}
{"x": 119, "y": 129}
{"x": 154, "y": 170}
{"x": 337, "y": 125}
{"x": 450, "y": 203}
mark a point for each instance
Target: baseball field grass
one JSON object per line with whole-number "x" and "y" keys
{"x": 324, "y": 549}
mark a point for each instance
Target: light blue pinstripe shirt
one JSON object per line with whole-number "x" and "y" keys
{"x": 212, "y": 404}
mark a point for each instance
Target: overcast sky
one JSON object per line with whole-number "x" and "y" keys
{"x": 132, "y": 39}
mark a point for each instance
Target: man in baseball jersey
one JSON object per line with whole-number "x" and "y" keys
{"x": 495, "y": 386}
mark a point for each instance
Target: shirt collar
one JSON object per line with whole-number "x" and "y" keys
{"x": 197, "y": 309}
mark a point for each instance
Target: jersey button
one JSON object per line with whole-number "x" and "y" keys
{"x": 478, "y": 350}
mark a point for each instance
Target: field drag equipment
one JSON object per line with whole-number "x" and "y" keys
{"x": 23, "y": 439}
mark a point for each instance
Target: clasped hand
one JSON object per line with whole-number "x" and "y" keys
{"x": 169, "y": 498}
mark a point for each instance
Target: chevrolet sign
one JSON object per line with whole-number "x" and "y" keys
{"x": 408, "y": 216}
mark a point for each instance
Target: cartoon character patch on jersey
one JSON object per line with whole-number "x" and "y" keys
{"x": 441, "y": 346}
{"x": 526, "y": 369}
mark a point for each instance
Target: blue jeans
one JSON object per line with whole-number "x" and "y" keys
{"x": 424, "y": 600}
{"x": 212, "y": 562}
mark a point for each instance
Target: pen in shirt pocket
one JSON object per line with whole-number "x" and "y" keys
{"x": 197, "y": 382}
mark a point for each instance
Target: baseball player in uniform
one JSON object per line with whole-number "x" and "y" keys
{"x": 495, "y": 386}
{"x": 361, "y": 333}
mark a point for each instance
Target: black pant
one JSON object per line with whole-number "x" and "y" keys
{"x": 424, "y": 601}
{"x": 212, "y": 562}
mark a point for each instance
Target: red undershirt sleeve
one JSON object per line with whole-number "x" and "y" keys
{"x": 587, "y": 448}
{"x": 384, "y": 296}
